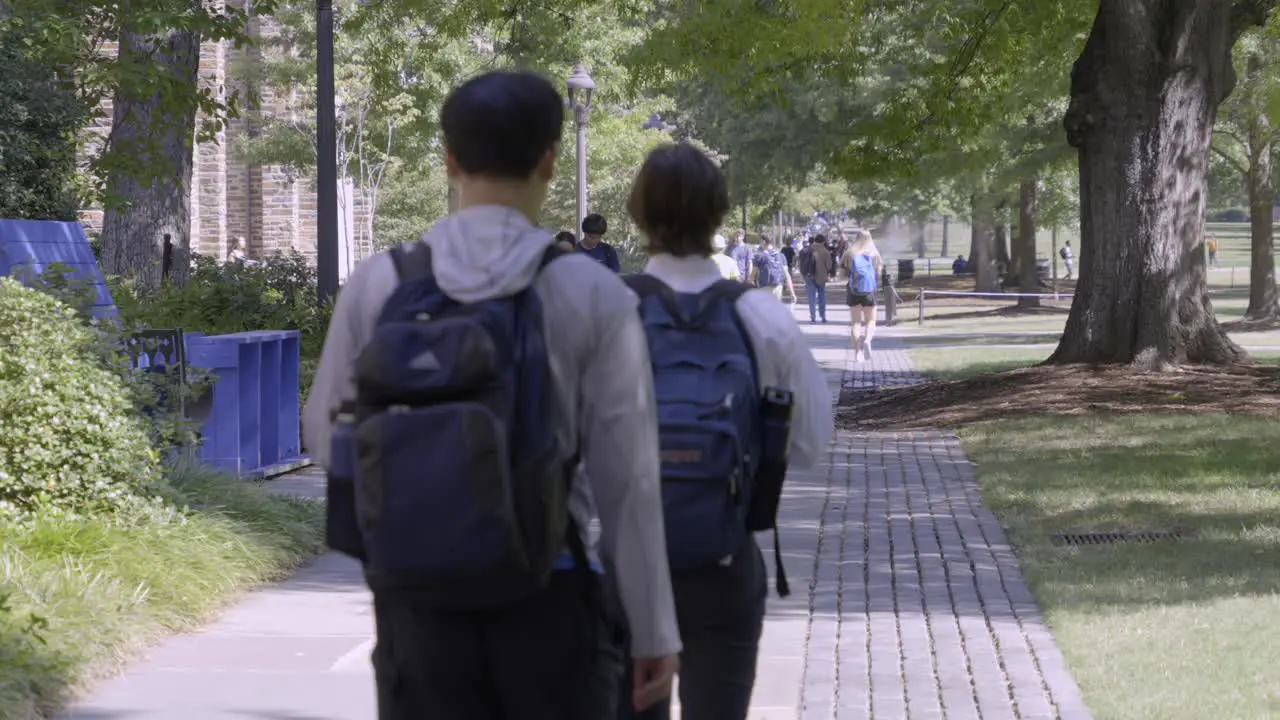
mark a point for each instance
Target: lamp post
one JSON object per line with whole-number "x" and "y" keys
{"x": 326, "y": 157}
{"x": 581, "y": 86}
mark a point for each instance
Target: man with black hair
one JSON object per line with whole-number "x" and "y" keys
{"x": 594, "y": 227}
{"x": 549, "y": 653}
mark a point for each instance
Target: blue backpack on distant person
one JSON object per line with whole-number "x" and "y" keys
{"x": 862, "y": 275}
{"x": 772, "y": 268}
{"x": 447, "y": 472}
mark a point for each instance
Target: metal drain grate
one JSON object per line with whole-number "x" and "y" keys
{"x": 1112, "y": 538}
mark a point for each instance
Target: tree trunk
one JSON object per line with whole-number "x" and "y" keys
{"x": 918, "y": 238}
{"x": 1001, "y": 237}
{"x": 1263, "y": 302}
{"x": 946, "y": 222}
{"x": 151, "y": 197}
{"x": 1144, "y": 95}
{"x": 983, "y": 247}
{"x": 1026, "y": 254}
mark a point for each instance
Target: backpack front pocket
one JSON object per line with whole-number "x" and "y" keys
{"x": 703, "y": 492}
{"x": 434, "y": 496}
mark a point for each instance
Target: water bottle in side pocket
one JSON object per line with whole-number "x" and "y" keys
{"x": 342, "y": 530}
{"x": 775, "y": 438}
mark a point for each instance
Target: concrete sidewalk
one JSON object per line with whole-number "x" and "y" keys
{"x": 906, "y": 603}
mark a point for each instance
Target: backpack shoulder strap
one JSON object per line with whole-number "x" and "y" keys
{"x": 730, "y": 291}
{"x": 412, "y": 262}
{"x": 724, "y": 289}
{"x": 646, "y": 285}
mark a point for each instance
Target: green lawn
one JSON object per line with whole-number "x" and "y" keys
{"x": 1174, "y": 630}
{"x": 952, "y": 360}
{"x": 77, "y": 597}
{"x": 952, "y": 363}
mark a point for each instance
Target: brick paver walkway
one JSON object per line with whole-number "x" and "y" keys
{"x": 906, "y": 603}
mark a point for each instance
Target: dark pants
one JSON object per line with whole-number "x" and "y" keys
{"x": 552, "y": 657}
{"x": 721, "y": 614}
{"x": 817, "y": 299}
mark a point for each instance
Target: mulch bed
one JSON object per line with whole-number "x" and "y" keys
{"x": 1062, "y": 390}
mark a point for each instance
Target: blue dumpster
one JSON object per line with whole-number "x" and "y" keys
{"x": 32, "y": 246}
{"x": 252, "y": 428}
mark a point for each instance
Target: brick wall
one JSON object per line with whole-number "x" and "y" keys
{"x": 272, "y": 206}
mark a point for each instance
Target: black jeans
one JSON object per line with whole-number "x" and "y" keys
{"x": 721, "y": 615}
{"x": 552, "y": 657}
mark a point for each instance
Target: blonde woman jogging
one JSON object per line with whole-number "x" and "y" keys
{"x": 863, "y": 264}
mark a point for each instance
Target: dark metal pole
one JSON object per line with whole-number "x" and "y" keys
{"x": 326, "y": 156}
{"x": 580, "y": 118}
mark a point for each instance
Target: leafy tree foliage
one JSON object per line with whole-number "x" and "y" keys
{"x": 40, "y": 119}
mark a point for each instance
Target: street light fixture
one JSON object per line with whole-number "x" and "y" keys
{"x": 326, "y": 157}
{"x": 581, "y": 87}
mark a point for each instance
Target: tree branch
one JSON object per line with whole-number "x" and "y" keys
{"x": 1233, "y": 162}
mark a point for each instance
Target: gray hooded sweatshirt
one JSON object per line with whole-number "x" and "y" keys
{"x": 600, "y": 366}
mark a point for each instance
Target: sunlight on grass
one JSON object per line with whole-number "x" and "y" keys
{"x": 84, "y": 594}
{"x": 1175, "y": 630}
{"x": 960, "y": 363}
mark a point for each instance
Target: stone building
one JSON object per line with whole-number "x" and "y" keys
{"x": 273, "y": 207}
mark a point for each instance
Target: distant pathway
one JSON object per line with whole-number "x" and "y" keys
{"x": 906, "y": 603}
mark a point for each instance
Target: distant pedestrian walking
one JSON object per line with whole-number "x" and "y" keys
{"x": 769, "y": 271}
{"x": 741, "y": 253}
{"x": 566, "y": 241}
{"x": 1068, "y": 260}
{"x": 1212, "y": 246}
{"x": 816, "y": 268}
{"x": 728, "y": 266}
{"x": 593, "y": 229}
{"x": 863, "y": 264}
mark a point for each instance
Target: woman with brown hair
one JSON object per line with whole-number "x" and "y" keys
{"x": 706, "y": 333}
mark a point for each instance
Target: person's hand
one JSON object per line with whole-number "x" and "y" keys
{"x": 653, "y": 678}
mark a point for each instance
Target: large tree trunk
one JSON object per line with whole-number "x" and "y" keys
{"x": 1263, "y": 301}
{"x": 982, "y": 248}
{"x": 152, "y": 197}
{"x": 1026, "y": 254}
{"x": 1144, "y": 95}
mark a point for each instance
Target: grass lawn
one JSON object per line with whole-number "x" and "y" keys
{"x": 961, "y": 363}
{"x": 952, "y": 362}
{"x": 77, "y": 597}
{"x": 1182, "y": 629}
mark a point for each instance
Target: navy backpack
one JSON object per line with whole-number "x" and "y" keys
{"x": 459, "y": 484}
{"x": 708, "y": 401}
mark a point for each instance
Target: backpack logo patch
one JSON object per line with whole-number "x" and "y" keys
{"x": 426, "y": 361}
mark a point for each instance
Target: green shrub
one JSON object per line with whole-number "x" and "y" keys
{"x": 72, "y": 440}
{"x": 278, "y": 294}
{"x": 80, "y": 595}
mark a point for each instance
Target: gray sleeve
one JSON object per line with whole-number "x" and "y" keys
{"x": 619, "y": 436}
{"x": 354, "y": 315}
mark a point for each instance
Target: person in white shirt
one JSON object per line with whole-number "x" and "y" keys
{"x": 678, "y": 200}
{"x": 728, "y": 266}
